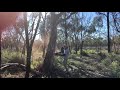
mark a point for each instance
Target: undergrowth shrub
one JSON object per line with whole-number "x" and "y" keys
{"x": 12, "y": 57}
{"x": 90, "y": 51}
{"x": 106, "y": 62}
{"x": 84, "y": 53}
{"x": 102, "y": 55}
{"x": 115, "y": 69}
{"x": 114, "y": 57}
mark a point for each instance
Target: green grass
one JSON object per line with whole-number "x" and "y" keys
{"x": 36, "y": 62}
{"x": 88, "y": 51}
{"x": 8, "y": 56}
{"x": 109, "y": 64}
{"x": 15, "y": 57}
{"x": 102, "y": 62}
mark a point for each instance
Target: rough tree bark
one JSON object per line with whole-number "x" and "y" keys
{"x": 47, "y": 65}
{"x": 48, "y": 61}
{"x": 27, "y": 46}
{"x": 44, "y": 33}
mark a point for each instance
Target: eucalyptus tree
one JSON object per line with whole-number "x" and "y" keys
{"x": 55, "y": 19}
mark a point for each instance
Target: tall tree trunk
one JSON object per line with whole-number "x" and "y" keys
{"x": 44, "y": 41}
{"x": 29, "y": 44}
{"x": 70, "y": 47}
{"x": 47, "y": 65}
{"x": 76, "y": 45}
{"x": 50, "y": 52}
{"x": 27, "y": 47}
{"x": 109, "y": 50}
{"x": 24, "y": 47}
{"x": 76, "y": 48}
{"x": 81, "y": 48}
{"x": 29, "y": 50}
{"x": 66, "y": 34}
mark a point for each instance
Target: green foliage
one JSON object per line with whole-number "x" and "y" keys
{"x": 91, "y": 29}
{"x": 74, "y": 55}
{"x": 115, "y": 69}
{"x": 106, "y": 62}
{"x": 88, "y": 51}
{"x": 36, "y": 63}
{"x": 114, "y": 57}
{"x": 102, "y": 55}
{"x": 16, "y": 59}
{"x": 12, "y": 57}
{"x": 98, "y": 21}
{"x": 84, "y": 53}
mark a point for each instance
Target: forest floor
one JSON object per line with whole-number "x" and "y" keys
{"x": 90, "y": 65}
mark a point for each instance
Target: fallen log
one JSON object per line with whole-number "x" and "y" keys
{"x": 22, "y": 66}
{"x": 7, "y": 65}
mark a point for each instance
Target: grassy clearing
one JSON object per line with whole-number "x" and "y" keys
{"x": 94, "y": 65}
{"x": 98, "y": 63}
